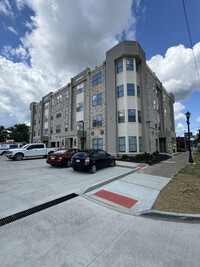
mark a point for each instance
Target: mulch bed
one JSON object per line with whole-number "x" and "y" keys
{"x": 151, "y": 159}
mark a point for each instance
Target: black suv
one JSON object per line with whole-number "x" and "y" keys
{"x": 91, "y": 160}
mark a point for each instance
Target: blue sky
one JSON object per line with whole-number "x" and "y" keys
{"x": 45, "y": 43}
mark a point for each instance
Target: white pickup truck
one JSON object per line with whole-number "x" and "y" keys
{"x": 30, "y": 150}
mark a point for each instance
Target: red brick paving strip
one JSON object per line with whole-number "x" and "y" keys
{"x": 118, "y": 199}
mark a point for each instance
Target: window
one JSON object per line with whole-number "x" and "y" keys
{"x": 66, "y": 111}
{"x": 97, "y": 100}
{"x": 121, "y": 116}
{"x": 153, "y": 86}
{"x": 59, "y": 99}
{"x": 164, "y": 97}
{"x": 131, "y": 115}
{"x": 51, "y": 130}
{"x": 131, "y": 89}
{"x": 140, "y": 144}
{"x": 52, "y": 116}
{"x": 58, "y": 128}
{"x": 80, "y": 88}
{"x": 138, "y": 91}
{"x": 58, "y": 113}
{"x": 137, "y": 66}
{"x": 38, "y": 132}
{"x": 52, "y": 102}
{"x": 79, "y": 125}
{"x": 97, "y": 143}
{"x": 46, "y": 131}
{"x": 165, "y": 113}
{"x": 139, "y": 116}
{"x": 132, "y": 144}
{"x": 67, "y": 94}
{"x": 159, "y": 126}
{"x": 79, "y": 106}
{"x": 122, "y": 147}
{"x": 97, "y": 121}
{"x": 66, "y": 127}
{"x": 129, "y": 64}
{"x": 46, "y": 118}
{"x": 154, "y": 104}
{"x": 120, "y": 91}
{"x": 34, "y": 122}
{"x": 120, "y": 66}
{"x": 39, "y": 121}
{"x": 34, "y": 133}
{"x": 96, "y": 79}
{"x": 46, "y": 105}
{"x": 156, "y": 123}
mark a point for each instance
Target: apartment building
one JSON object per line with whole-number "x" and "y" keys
{"x": 119, "y": 106}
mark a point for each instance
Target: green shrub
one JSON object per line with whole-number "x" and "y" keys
{"x": 125, "y": 157}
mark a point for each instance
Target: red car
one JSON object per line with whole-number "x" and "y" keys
{"x": 61, "y": 157}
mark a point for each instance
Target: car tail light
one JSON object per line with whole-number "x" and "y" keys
{"x": 87, "y": 160}
{"x": 48, "y": 156}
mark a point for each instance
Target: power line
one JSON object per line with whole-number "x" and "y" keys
{"x": 190, "y": 39}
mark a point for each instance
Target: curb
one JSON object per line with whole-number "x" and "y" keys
{"x": 171, "y": 216}
{"x": 94, "y": 186}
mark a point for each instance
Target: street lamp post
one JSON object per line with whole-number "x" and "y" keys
{"x": 188, "y": 123}
{"x": 83, "y": 132}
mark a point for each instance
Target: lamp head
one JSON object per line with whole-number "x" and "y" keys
{"x": 187, "y": 115}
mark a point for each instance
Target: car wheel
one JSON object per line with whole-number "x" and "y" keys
{"x": 19, "y": 156}
{"x": 93, "y": 169}
{"x": 112, "y": 163}
{"x": 74, "y": 169}
{"x": 3, "y": 153}
{"x": 52, "y": 165}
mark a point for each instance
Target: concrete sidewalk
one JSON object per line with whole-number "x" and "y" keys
{"x": 135, "y": 193}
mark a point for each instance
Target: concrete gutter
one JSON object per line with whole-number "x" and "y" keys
{"x": 94, "y": 186}
{"x": 171, "y": 216}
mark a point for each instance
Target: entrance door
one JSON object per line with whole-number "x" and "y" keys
{"x": 162, "y": 143}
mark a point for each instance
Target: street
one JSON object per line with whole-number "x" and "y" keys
{"x": 80, "y": 232}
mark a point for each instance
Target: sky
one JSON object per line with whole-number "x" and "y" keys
{"x": 45, "y": 43}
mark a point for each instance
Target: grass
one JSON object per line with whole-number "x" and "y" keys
{"x": 182, "y": 193}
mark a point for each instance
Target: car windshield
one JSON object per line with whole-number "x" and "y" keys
{"x": 60, "y": 152}
{"x": 25, "y": 146}
{"x": 81, "y": 155}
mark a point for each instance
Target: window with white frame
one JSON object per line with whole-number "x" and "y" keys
{"x": 132, "y": 143}
{"x": 79, "y": 125}
{"x": 67, "y": 94}
{"x": 129, "y": 64}
{"x": 131, "y": 115}
{"x": 97, "y": 100}
{"x": 140, "y": 144}
{"x": 52, "y": 101}
{"x": 164, "y": 97}
{"x": 66, "y": 111}
{"x": 120, "y": 91}
{"x": 139, "y": 116}
{"x": 80, "y": 88}
{"x": 96, "y": 79}
{"x": 46, "y": 118}
{"x": 121, "y": 116}
{"x": 59, "y": 99}
{"x": 97, "y": 121}
{"x": 46, "y": 132}
{"x": 79, "y": 106}
{"x": 165, "y": 113}
{"x": 130, "y": 89}
{"x": 122, "y": 146}
{"x": 66, "y": 127}
{"x": 58, "y": 113}
{"x": 58, "y": 128}
{"x": 97, "y": 143}
{"x": 138, "y": 91}
{"x": 38, "y": 132}
{"x": 154, "y": 104}
{"x": 119, "y": 66}
{"x": 46, "y": 105}
{"x": 153, "y": 86}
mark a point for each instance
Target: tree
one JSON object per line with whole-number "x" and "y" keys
{"x": 19, "y": 132}
{"x": 3, "y": 134}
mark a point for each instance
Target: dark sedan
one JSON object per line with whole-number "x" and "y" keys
{"x": 61, "y": 157}
{"x": 91, "y": 160}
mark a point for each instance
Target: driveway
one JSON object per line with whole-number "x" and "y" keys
{"x": 28, "y": 183}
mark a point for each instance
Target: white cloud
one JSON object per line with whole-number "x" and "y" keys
{"x": 180, "y": 129}
{"x": 5, "y": 8}
{"x": 198, "y": 119}
{"x": 11, "y": 29}
{"x": 178, "y": 107}
{"x": 65, "y": 38}
{"x": 177, "y": 70}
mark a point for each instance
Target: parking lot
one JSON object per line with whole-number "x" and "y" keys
{"x": 28, "y": 183}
